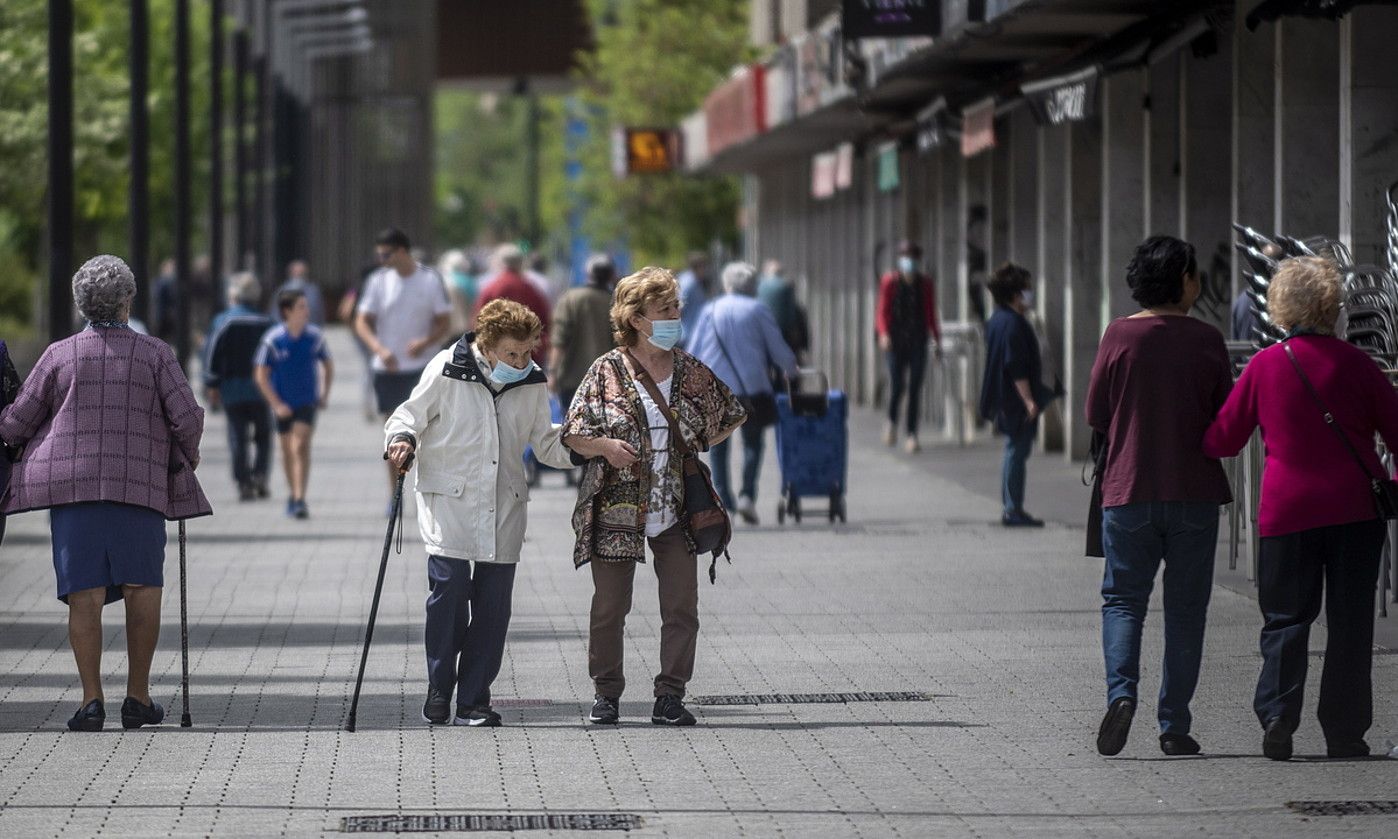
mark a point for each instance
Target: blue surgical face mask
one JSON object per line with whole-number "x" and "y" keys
{"x": 907, "y": 264}
{"x": 1028, "y": 296}
{"x": 505, "y": 374}
{"x": 665, "y": 334}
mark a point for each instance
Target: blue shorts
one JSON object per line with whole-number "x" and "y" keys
{"x": 102, "y": 544}
{"x": 305, "y": 413}
{"x": 393, "y": 389}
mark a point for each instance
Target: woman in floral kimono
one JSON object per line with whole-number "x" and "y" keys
{"x": 631, "y": 492}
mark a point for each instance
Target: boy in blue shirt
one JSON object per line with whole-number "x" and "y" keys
{"x": 287, "y": 363}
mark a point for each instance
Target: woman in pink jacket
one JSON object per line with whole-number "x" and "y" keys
{"x": 109, "y": 431}
{"x": 1318, "y": 522}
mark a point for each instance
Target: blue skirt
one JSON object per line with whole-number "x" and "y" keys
{"x": 102, "y": 544}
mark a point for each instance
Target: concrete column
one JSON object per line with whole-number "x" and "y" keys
{"x": 948, "y": 232}
{"x": 998, "y": 184}
{"x": 1307, "y": 119}
{"x": 975, "y": 230}
{"x": 1254, "y": 99}
{"x": 1163, "y": 136}
{"x": 1082, "y": 326}
{"x": 1369, "y": 130}
{"x": 1050, "y": 263}
{"x": 1023, "y": 246}
{"x": 1123, "y": 185}
{"x": 1207, "y": 178}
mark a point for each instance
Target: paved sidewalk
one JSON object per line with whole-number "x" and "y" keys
{"x": 919, "y": 592}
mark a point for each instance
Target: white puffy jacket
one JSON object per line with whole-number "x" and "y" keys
{"x": 470, "y": 439}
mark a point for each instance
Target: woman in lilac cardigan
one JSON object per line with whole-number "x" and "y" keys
{"x": 1320, "y": 529}
{"x": 108, "y": 431}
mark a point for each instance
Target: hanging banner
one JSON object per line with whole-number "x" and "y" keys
{"x": 890, "y": 18}
{"x": 823, "y": 170}
{"x": 1063, "y": 99}
{"x": 888, "y": 167}
{"x": 844, "y": 165}
{"x": 932, "y": 126}
{"x": 736, "y": 111}
{"x": 978, "y": 128}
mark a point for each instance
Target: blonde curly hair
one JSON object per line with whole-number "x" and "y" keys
{"x": 1306, "y": 293}
{"x": 501, "y": 319}
{"x": 646, "y": 287}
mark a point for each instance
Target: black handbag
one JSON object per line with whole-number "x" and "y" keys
{"x": 705, "y": 519}
{"x": 1384, "y": 489}
{"x": 1098, "y": 452}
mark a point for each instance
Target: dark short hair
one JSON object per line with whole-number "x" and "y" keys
{"x": 287, "y": 299}
{"x": 392, "y": 237}
{"x": 910, "y": 248}
{"x": 1157, "y": 270}
{"x": 1007, "y": 281}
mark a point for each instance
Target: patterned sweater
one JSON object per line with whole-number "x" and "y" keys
{"x": 106, "y": 415}
{"x": 610, "y": 516}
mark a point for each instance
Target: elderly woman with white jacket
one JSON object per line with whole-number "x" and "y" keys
{"x": 467, "y": 423}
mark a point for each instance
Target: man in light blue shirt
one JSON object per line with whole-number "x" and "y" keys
{"x": 695, "y": 286}
{"x": 737, "y": 337}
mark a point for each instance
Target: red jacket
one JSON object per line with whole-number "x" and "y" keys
{"x": 883, "y": 316}
{"x": 508, "y": 285}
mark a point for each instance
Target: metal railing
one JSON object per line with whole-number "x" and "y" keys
{"x": 950, "y": 389}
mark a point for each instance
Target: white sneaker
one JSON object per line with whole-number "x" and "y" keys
{"x": 913, "y": 446}
{"x": 890, "y": 435}
{"x": 747, "y": 508}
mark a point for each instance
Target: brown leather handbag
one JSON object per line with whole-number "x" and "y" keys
{"x": 705, "y": 519}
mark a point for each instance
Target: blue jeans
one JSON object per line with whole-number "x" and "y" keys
{"x": 752, "y": 462}
{"x": 1018, "y": 447}
{"x": 1137, "y": 537}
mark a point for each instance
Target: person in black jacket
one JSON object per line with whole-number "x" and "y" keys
{"x": 228, "y": 356}
{"x": 1013, "y": 394}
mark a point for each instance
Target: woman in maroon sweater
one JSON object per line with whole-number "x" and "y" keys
{"x": 1318, "y": 523}
{"x": 1158, "y": 381}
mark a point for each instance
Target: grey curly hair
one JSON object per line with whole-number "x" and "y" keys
{"x": 104, "y": 288}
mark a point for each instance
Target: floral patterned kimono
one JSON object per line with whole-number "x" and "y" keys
{"x": 610, "y": 516}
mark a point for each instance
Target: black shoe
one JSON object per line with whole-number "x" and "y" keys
{"x": 259, "y": 486}
{"x": 479, "y": 717}
{"x": 1116, "y": 725}
{"x": 437, "y": 709}
{"x": 1276, "y": 740}
{"x": 301, "y": 510}
{"x": 246, "y": 492}
{"x": 670, "y": 710}
{"x": 1020, "y": 519}
{"x": 135, "y": 715}
{"x": 1346, "y": 749}
{"x": 90, "y": 717}
{"x": 605, "y": 711}
{"x": 1175, "y": 745}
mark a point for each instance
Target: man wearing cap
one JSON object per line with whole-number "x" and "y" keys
{"x": 905, "y": 319}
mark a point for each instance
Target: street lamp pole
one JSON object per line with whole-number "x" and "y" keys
{"x": 183, "y": 285}
{"x": 60, "y": 125}
{"x": 138, "y": 206}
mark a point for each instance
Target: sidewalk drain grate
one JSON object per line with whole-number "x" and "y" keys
{"x": 1344, "y": 808}
{"x": 472, "y": 823}
{"x": 813, "y": 698}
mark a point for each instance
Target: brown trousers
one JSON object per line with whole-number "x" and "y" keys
{"x": 678, "y": 572}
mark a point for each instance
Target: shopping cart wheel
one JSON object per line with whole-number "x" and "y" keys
{"x": 796, "y": 509}
{"x": 834, "y": 507}
{"x": 781, "y": 511}
{"x": 837, "y": 507}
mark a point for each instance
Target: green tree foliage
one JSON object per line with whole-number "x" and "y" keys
{"x": 100, "y": 135}
{"x": 654, "y": 63}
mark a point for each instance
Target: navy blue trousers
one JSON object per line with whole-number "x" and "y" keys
{"x": 468, "y": 614}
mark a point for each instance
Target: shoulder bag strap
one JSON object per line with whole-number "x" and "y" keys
{"x": 639, "y": 373}
{"x": 1329, "y": 418}
{"x": 738, "y": 374}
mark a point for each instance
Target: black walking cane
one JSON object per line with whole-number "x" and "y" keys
{"x": 185, "y": 721}
{"x": 378, "y": 590}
